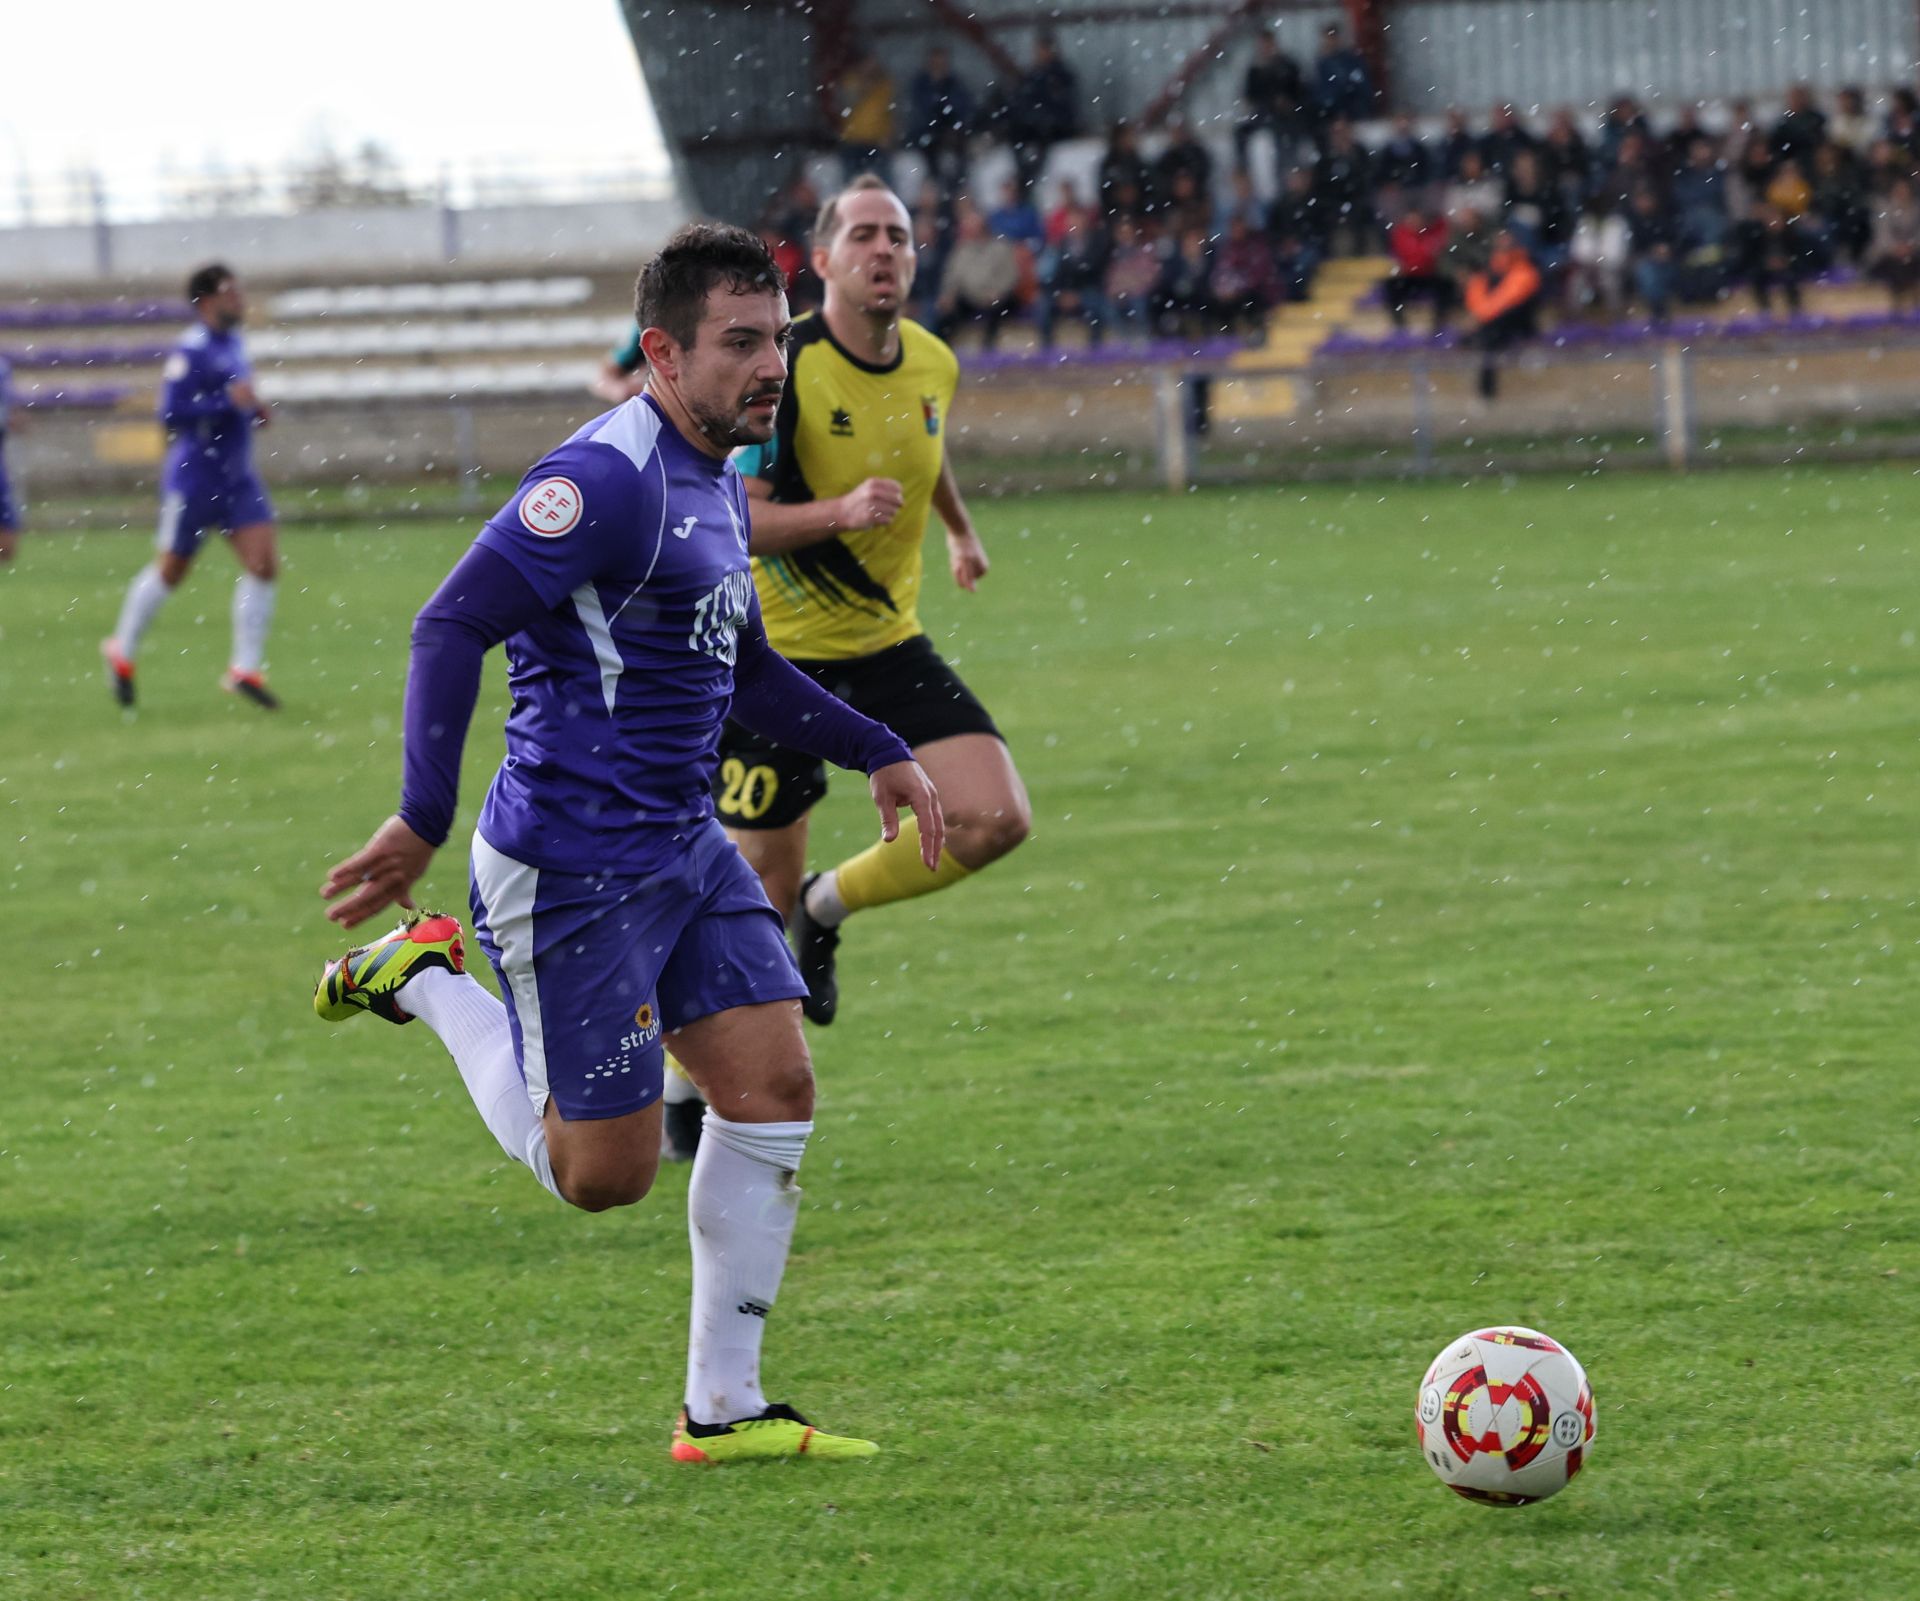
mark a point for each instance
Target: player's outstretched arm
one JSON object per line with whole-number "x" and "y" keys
{"x": 483, "y": 600}
{"x": 904, "y": 784}
{"x": 382, "y": 872}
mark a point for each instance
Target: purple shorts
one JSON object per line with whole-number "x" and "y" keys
{"x": 186, "y": 513}
{"x": 595, "y": 967}
{"x": 9, "y": 516}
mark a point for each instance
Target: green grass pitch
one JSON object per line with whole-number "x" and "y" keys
{"x": 1446, "y": 905}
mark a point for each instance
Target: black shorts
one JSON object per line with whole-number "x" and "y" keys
{"x": 761, "y": 785}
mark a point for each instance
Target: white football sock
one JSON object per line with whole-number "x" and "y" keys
{"x": 741, "y": 1206}
{"x": 145, "y": 596}
{"x": 474, "y": 1028}
{"x": 824, "y": 905}
{"x": 252, "y": 617}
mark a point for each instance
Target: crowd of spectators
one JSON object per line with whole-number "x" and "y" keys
{"x": 1489, "y": 225}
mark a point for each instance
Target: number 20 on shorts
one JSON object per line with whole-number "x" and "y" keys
{"x": 746, "y": 791}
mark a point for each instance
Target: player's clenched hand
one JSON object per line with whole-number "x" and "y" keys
{"x": 968, "y": 559}
{"x": 874, "y": 502}
{"x": 380, "y": 873}
{"x": 905, "y": 784}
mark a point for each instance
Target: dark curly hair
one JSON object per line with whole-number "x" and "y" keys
{"x": 700, "y": 257}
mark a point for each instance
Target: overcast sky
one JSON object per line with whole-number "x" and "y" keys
{"x": 131, "y": 86}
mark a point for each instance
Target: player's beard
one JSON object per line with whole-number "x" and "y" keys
{"x": 734, "y": 429}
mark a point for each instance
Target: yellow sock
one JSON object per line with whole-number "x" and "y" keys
{"x": 883, "y": 873}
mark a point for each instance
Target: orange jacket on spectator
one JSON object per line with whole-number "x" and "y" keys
{"x": 1511, "y": 280}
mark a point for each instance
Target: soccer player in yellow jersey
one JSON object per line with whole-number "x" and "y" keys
{"x": 840, "y": 500}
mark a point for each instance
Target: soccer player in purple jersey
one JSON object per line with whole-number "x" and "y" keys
{"x": 210, "y": 409}
{"x": 9, "y": 514}
{"x": 616, "y": 912}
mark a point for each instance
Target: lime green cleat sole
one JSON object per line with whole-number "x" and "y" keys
{"x": 778, "y": 1432}
{"x": 369, "y": 977}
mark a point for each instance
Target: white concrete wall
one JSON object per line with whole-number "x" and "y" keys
{"x": 374, "y": 239}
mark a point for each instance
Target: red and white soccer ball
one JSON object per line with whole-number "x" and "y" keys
{"x": 1505, "y": 1416}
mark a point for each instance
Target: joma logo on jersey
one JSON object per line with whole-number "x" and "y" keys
{"x": 719, "y": 616}
{"x": 930, "y": 413}
{"x": 840, "y": 424}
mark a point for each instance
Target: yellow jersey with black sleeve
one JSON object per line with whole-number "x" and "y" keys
{"x": 842, "y": 421}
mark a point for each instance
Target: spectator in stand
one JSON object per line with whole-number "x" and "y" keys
{"x": 1475, "y": 190}
{"x": 1887, "y": 164}
{"x": 1653, "y": 250}
{"x": 1840, "y": 203}
{"x": 1241, "y": 201}
{"x": 1741, "y": 126}
{"x": 790, "y": 220}
{"x": 1789, "y": 190}
{"x": 1402, "y": 158}
{"x": 1343, "y": 189}
{"x": 1133, "y": 268}
{"x": 1123, "y": 174}
{"x": 787, "y": 254}
{"x": 1296, "y": 213}
{"x": 1566, "y": 159}
{"x": 1067, "y": 207}
{"x": 865, "y": 99}
{"x": 1802, "y": 128}
{"x": 1418, "y": 245}
{"x": 1457, "y": 142}
{"x": 1504, "y": 302}
{"x": 1016, "y": 219}
{"x": 1185, "y": 207}
{"x": 1754, "y": 167}
{"x": 932, "y": 240}
{"x": 981, "y": 280}
{"x": 940, "y": 115}
{"x": 1073, "y": 276}
{"x": 1245, "y": 287}
{"x": 1676, "y": 144}
{"x": 1702, "y": 216}
{"x": 1903, "y": 119}
{"x": 1504, "y": 139}
{"x": 1273, "y": 97}
{"x": 1776, "y": 253}
{"x": 1850, "y": 127}
{"x": 1623, "y": 119}
{"x": 1538, "y": 212}
{"x": 1184, "y": 155}
{"x": 1182, "y": 291}
{"x": 1893, "y": 258}
{"x": 1342, "y": 86}
{"x": 1043, "y": 110}
{"x": 1601, "y": 259}
{"x": 1637, "y": 164}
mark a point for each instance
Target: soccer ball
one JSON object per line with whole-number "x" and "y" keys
{"x": 1505, "y": 1416}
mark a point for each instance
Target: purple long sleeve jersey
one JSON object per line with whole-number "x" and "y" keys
{"x": 209, "y": 438}
{"x": 617, "y": 578}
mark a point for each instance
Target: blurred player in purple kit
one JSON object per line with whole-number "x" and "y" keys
{"x": 615, "y": 910}
{"x": 9, "y": 513}
{"x": 210, "y": 408}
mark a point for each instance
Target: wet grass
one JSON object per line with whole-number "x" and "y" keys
{"x": 1447, "y": 905}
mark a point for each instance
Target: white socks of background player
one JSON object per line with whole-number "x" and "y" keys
{"x": 252, "y": 617}
{"x": 741, "y": 1206}
{"x": 474, "y": 1028}
{"x": 824, "y": 905}
{"x": 145, "y": 596}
